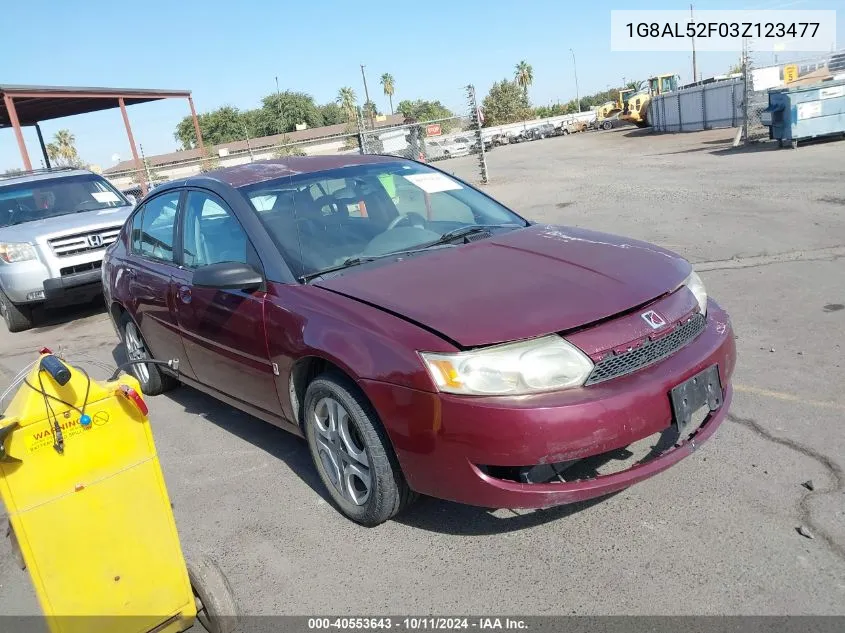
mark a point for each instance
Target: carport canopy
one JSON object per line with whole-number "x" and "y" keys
{"x": 29, "y": 105}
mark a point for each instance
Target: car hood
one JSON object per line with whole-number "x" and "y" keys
{"x": 29, "y": 231}
{"x": 517, "y": 285}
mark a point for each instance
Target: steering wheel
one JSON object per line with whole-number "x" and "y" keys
{"x": 421, "y": 223}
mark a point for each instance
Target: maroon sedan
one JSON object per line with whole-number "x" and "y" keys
{"x": 421, "y": 336}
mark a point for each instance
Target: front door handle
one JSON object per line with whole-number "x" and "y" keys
{"x": 184, "y": 294}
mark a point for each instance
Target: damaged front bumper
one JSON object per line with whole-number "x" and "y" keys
{"x": 550, "y": 449}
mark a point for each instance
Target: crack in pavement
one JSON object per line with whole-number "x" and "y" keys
{"x": 834, "y": 469}
{"x": 755, "y": 261}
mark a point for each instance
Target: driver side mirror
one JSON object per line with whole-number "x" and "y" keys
{"x": 228, "y": 276}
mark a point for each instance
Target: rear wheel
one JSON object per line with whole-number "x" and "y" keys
{"x": 153, "y": 381}
{"x": 216, "y": 608}
{"x": 352, "y": 452}
{"x": 17, "y": 317}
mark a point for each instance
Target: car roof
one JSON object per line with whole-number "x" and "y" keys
{"x": 40, "y": 174}
{"x": 261, "y": 171}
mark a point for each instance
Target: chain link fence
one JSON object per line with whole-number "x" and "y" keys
{"x": 431, "y": 140}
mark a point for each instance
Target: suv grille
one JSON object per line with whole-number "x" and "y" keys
{"x": 650, "y": 352}
{"x": 67, "y": 245}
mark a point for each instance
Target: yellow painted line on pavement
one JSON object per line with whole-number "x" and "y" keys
{"x": 788, "y": 397}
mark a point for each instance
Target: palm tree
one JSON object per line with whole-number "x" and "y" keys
{"x": 347, "y": 100}
{"x": 62, "y": 150}
{"x": 636, "y": 86}
{"x": 524, "y": 76}
{"x": 389, "y": 86}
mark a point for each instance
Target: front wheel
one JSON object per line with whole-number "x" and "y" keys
{"x": 352, "y": 452}
{"x": 17, "y": 317}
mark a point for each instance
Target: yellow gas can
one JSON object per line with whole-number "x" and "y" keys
{"x": 87, "y": 503}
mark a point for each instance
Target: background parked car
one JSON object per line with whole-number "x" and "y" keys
{"x": 571, "y": 127}
{"x": 55, "y": 225}
{"x": 541, "y": 131}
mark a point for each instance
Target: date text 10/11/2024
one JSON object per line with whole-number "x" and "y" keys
{"x": 422, "y": 623}
{"x": 722, "y": 29}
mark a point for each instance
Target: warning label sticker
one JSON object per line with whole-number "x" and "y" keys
{"x": 70, "y": 428}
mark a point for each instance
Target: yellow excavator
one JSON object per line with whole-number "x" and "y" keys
{"x": 636, "y": 110}
{"x": 612, "y": 108}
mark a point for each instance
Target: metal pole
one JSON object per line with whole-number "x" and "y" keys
{"x": 249, "y": 149}
{"x": 43, "y": 147}
{"x": 368, "y": 105}
{"x": 575, "y": 68}
{"x": 694, "y": 73}
{"x": 13, "y": 117}
{"x": 196, "y": 125}
{"x": 279, "y": 101}
{"x": 135, "y": 156}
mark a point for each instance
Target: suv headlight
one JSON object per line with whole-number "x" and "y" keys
{"x": 543, "y": 364}
{"x": 11, "y": 252}
{"x": 696, "y": 286}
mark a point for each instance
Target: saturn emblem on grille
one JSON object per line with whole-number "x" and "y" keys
{"x": 653, "y": 319}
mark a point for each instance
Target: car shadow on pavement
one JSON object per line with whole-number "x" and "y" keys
{"x": 446, "y": 517}
{"x": 46, "y": 320}
{"x": 269, "y": 438}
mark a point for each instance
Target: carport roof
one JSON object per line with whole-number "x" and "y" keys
{"x": 41, "y": 103}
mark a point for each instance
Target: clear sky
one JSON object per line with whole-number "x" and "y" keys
{"x": 230, "y": 53}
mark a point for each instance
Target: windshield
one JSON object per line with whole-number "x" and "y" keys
{"x": 52, "y": 197}
{"x": 322, "y": 220}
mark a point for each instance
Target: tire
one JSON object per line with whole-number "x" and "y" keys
{"x": 344, "y": 432}
{"x": 153, "y": 381}
{"x": 217, "y": 611}
{"x": 606, "y": 125}
{"x": 566, "y": 132}
{"x": 18, "y": 317}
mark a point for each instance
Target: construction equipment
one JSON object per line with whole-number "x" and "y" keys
{"x": 89, "y": 513}
{"x": 637, "y": 105}
{"x": 610, "y": 109}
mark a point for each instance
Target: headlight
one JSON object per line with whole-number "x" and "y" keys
{"x": 696, "y": 286}
{"x": 541, "y": 364}
{"x": 16, "y": 252}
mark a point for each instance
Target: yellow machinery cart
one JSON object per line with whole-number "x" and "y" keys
{"x": 89, "y": 513}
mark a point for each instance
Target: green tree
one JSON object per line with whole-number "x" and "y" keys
{"x": 210, "y": 158}
{"x": 507, "y": 102}
{"x": 735, "y": 69}
{"x": 524, "y": 76}
{"x": 370, "y": 109}
{"x": 223, "y": 125}
{"x": 332, "y": 114}
{"x": 281, "y": 112}
{"x": 389, "y": 86}
{"x": 421, "y": 110}
{"x": 347, "y": 101}
{"x": 62, "y": 151}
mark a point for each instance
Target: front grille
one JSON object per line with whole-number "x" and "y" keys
{"x": 648, "y": 353}
{"x": 81, "y": 268}
{"x": 88, "y": 241}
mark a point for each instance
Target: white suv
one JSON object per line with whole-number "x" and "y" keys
{"x": 55, "y": 225}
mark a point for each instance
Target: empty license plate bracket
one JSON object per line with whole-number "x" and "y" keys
{"x": 705, "y": 388}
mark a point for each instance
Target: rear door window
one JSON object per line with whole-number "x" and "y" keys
{"x": 157, "y": 227}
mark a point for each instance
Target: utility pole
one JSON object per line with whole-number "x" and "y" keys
{"x": 367, "y": 105}
{"x": 279, "y": 101}
{"x": 694, "y": 73}
{"x": 248, "y": 146}
{"x": 575, "y": 68}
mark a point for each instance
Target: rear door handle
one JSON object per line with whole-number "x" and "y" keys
{"x": 184, "y": 294}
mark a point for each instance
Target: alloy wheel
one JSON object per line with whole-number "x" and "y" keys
{"x": 342, "y": 451}
{"x": 135, "y": 350}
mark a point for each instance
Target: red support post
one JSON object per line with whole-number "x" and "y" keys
{"x": 13, "y": 116}
{"x": 142, "y": 175}
{"x": 196, "y": 125}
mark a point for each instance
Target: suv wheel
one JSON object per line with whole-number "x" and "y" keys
{"x": 352, "y": 453}
{"x": 18, "y": 317}
{"x": 153, "y": 381}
